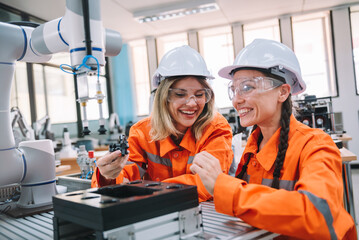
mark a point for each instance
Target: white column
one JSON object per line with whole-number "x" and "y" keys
{"x": 238, "y": 41}
{"x": 286, "y": 35}
{"x": 193, "y": 39}
{"x": 152, "y": 56}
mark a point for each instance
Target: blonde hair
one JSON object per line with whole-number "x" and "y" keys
{"x": 161, "y": 121}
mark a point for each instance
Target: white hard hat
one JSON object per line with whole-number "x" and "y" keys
{"x": 180, "y": 61}
{"x": 274, "y": 56}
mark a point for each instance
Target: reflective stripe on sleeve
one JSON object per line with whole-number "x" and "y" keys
{"x": 283, "y": 184}
{"x": 157, "y": 159}
{"x": 323, "y": 208}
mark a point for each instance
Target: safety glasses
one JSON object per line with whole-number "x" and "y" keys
{"x": 183, "y": 96}
{"x": 245, "y": 87}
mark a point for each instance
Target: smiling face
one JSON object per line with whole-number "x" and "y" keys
{"x": 257, "y": 107}
{"x": 185, "y": 114}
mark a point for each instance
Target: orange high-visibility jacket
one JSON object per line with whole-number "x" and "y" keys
{"x": 309, "y": 203}
{"x": 164, "y": 161}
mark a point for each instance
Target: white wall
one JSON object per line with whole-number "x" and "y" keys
{"x": 348, "y": 101}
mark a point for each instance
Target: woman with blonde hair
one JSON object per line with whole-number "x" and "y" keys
{"x": 183, "y": 123}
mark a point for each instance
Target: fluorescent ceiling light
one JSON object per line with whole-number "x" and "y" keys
{"x": 174, "y": 10}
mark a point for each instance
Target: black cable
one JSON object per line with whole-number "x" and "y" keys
{"x": 86, "y": 14}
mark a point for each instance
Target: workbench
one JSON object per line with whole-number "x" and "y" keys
{"x": 215, "y": 226}
{"x": 70, "y": 166}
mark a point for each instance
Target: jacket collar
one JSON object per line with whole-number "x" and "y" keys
{"x": 188, "y": 142}
{"x": 266, "y": 157}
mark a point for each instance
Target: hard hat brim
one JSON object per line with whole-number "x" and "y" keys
{"x": 156, "y": 79}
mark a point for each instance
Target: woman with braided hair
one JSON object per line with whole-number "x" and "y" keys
{"x": 289, "y": 179}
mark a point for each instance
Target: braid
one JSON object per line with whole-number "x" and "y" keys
{"x": 283, "y": 140}
{"x": 245, "y": 166}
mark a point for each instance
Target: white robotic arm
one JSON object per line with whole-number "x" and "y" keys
{"x": 33, "y": 163}
{"x": 42, "y": 127}
{"x": 17, "y": 165}
{"x": 81, "y": 33}
{"x": 17, "y": 118}
{"x": 114, "y": 127}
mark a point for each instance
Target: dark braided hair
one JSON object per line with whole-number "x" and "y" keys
{"x": 283, "y": 140}
{"x": 245, "y": 166}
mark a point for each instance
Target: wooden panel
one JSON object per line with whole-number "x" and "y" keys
{"x": 71, "y": 162}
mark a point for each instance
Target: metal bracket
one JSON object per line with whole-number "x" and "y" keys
{"x": 122, "y": 233}
{"x": 190, "y": 222}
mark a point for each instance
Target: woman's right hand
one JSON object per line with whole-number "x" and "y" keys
{"x": 111, "y": 164}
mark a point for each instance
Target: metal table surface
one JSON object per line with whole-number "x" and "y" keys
{"x": 40, "y": 226}
{"x": 228, "y": 227}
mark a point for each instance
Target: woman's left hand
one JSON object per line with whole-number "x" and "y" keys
{"x": 208, "y": 169}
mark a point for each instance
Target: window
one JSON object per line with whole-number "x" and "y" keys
{"x": 60, "y": 96}
{"x": 354, "y": 18}
{"x": 40, "y": 91}
{"x": 168, "y": 42}
{"x": 60, "y": 90}
{"x": 7, "y": 16}
{"x": 141, "y": 76}
{"x": 216, "y": 47}
{"x": 20, "y": 91}
{"x": 315, "y": 53}
{"x": 267, "y": 29}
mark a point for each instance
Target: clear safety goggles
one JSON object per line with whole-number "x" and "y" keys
{"x": 252, "y": 85}
{"x": 182, "y": 96}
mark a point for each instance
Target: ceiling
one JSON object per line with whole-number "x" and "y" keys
{"x": 118, "y": 14}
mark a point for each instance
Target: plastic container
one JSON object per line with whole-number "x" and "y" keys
{"x": 82, "y": 161}
{"x": 91, "y": 162}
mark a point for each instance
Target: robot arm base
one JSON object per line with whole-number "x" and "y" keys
{"x": 37, "y": 196}
{"x": 39, "y": 184}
